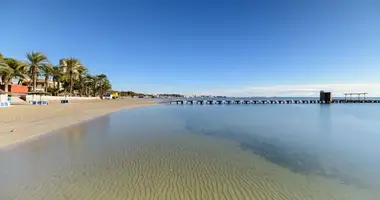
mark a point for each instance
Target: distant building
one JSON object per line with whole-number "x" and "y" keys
{"x": 40, "y": 84}
{"x": 325, "y": 96}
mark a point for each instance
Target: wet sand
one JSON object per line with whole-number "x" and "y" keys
{"x": 23, "y": 122}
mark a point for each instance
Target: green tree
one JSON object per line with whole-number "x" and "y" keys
{"x": 99, "y": 84}
{"x": 101, "y": 79}
{"x": 71, "y": 66}
{"x": 11, "y": 68}
{"x": 1, "y": 60}
{"x": 89, "y": 82}
{"x": 92, "y": 84}
{"x": 47, "y": 72}
{"x": 57, "y": 74}
{"x": 106, "y": 86}
{"x": 36, "y": 60}
{"x": 81, "y": 78}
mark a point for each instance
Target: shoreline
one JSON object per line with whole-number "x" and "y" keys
{"x": 24, "y": 123}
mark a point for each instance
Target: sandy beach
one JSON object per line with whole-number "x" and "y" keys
{"x": 23, "y": 122}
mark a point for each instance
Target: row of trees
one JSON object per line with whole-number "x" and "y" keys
{"x": 130, "y": 94}
{"x": 69, "y": 76}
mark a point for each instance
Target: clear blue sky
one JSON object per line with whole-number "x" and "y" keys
{"x": 202, "y": 46}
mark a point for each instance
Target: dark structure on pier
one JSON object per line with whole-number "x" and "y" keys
{"x": 325, "y": 96}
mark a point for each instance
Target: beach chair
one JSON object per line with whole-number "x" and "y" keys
{"x": 4, "y": 104}
{"x": 64, "y": 101}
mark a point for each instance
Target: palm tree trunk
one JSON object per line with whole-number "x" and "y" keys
{"x": 6, "y": 83}
{"x": 46, "y": 83}
{"x": 71, "y": 82}
{"x": 101, "y": 90}
{"x": 54, "y": 87}
{"x": 94, "y": 89}
{"x": 34, "y": 78}
{"x": 7, "y": 80}
{"x": 80, "y": 86}
{"x": 59, "y": 85}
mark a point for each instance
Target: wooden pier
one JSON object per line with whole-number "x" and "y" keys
{"x": 211, "y": 102}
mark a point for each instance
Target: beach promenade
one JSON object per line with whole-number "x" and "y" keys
{"x": 23, "y": 122}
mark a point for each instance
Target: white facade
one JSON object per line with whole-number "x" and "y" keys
{"x": 3, "y": 97}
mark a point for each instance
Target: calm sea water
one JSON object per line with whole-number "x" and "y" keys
{"x": 204, "y": 152}
{"x": 268, "y": 98}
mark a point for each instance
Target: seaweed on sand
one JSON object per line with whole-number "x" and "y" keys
{"x": 277, "y": 152}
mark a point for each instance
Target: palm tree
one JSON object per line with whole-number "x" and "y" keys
{"x": 106, "y": 86}
{"x": 57, "y": 77}
{"x": 1, "y": 60}
{"x": 90, "y": 84}
{"x": 101, "y": 79}
{"x": 5, "y": 73}
{"x": 71, "y": 66}
{"x": 82, "y": 73}
{"x": 36, "y": 60}
{"x": 47, "y": 71}
{"x": 11, "y": 68}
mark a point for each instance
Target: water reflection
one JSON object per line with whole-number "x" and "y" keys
{"x": 325, "y": 120}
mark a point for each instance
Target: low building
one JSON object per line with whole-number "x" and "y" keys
{"x": 325, "y": 96}
{"x": 15, "y": 89}
{"x": 40, "y": 84}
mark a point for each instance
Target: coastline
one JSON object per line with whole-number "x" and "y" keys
{"x": 22, "y": 123}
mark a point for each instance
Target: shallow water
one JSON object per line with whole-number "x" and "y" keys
{"x": 204, "y": 152}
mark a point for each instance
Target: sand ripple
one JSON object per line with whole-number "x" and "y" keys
{"x": 168, "y": 167}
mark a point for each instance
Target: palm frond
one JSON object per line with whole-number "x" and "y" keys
{"x": 36, "y": 58}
